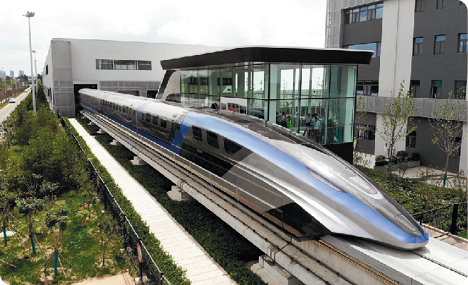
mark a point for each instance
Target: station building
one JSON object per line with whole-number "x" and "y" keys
{"x": 125, "y": 67}
{"x": 280, "y": 85}
{"x": 421, "y": 44}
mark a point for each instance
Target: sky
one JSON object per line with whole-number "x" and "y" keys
{"x": 298, "y": 23}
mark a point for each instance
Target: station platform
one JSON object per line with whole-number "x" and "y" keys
{"x": 186, "y": 252}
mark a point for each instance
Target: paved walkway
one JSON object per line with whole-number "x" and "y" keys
{"x": 186, "y": 252}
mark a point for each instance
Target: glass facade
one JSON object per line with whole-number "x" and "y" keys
{"x": 286, "y": 94}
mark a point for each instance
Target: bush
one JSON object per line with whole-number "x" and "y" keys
{"x": 402, "y": 156}
{"x": 415, "y": 156}
{"x": 380, "y": 160}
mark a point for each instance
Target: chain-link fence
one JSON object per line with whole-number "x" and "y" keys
{"x": 134, "y": 246}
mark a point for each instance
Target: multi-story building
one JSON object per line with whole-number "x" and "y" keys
{"x": 421, "y": 44}
{"x": 125, "y": 67}
{"x": 12, "y": 74}
{"x": 21, "y": 72}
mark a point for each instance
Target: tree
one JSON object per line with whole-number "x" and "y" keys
{"x": 49, "y": 189}
{"x": 397, "y": 120}
{"x": 7, "y": 199}
{"x": 28, "y": 207}
{"x": 447, "y": 127}
{"x": 56, "y": 223}
{"x": 105, "y": 227}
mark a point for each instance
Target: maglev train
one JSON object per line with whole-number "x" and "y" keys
{"x": 293, "y": 182}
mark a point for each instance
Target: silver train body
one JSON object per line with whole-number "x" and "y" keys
{"x": 293, "y": 182}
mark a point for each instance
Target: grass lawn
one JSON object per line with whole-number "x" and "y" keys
{"x": 81, "y": 247}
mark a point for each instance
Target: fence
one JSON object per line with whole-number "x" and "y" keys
{"x": 450, "y": 218}
{"x": 134, "y": 246}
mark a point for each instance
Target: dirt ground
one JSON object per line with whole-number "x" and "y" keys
{"x": 120, "y": 279}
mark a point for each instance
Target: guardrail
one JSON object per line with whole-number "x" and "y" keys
{"x": 136, "y": 249}
{"x": 451, "y": 218}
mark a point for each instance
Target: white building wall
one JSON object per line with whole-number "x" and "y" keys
{"x": 396, "y": 57}
{"x": 85, "y": 53}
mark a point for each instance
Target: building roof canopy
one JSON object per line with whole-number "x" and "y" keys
{"x": 270, "y": 55}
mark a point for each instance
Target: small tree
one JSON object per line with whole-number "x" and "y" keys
{"x": 397, "y": 120}
{"x": 106, "y": 228}
{"x": 49, "y": 189}
{"x": 7, "y": 199}
{"x": 447, "y": 125}
{"x": 28, "y": 207}
{"x": 57, "y": 224}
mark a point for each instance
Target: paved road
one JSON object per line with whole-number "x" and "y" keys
{"x": 6, "y": 111}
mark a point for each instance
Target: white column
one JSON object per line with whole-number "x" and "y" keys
{"x": 396, "y": 56}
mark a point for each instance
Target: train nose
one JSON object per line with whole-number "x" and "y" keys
{"x": 408, "y": 226}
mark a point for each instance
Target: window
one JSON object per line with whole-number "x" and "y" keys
{"x": 123, "y": 64}
{"x": 365, "y": 13}
{"x": 104, "y": 64}
{"x": 420, "y": 6}
{"x": 144, "y": 65}
{"x": 411, "y": 140}
{"x": 367, "y": 88}
{"x": 462, "y": 43}
{"x": 415, "y": 88}
{"x": 439, "y": 44}
{"x": 47, "y": 68}
{"x": 418, "y": 46}
{"x": 163, "y": 123}
{"x": 231, "y": 147}
{"x": 370, "y": 46}
{"x": 212, "y": 139}
{"x": 155, "y": 120}
{"x": 436, "y": 88}
{"x": 365, "y": 132}
{"x": 148, "y": 117}
{"x": 197, "y": 133}
{"x": 460, "y": 89}
{"x": 441, "y": 4}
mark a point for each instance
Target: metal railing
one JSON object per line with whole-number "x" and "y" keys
{"x": 452, "y": 218}
{"x": 136, "y": 249}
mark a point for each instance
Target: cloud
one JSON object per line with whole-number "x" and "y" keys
{"x": 206, "y": 22}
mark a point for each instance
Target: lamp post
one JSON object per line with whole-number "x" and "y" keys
{"x": 29, "y": 15}
{"x": 35, "y": 68}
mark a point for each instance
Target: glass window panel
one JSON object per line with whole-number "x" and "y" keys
{"x": 318, "y": 79}
{"x": 202, "y": 82}
{"x": 214, "y": 82}
{"x": 197, "y": 133}
{"x": 184, "y": 81}
{"x": 259, "y": 76}
{"x": 212, "y": 139}
{"x": 98, "y": 66}
{"x": 340, "y": 120}
{"x": 363, "y": 14}
{"x": 343, "y": 81}
{"x": 192, "y": 82}
{"x": 379, "y": 11}
{"x": 257, "y": 108}
{"x": 144, "y": 65}
{"x": 225, "y": 82}
{"x": 231, "y": 147}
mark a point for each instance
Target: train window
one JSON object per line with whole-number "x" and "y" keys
{"x": 163, "y": 123}
{"x": 197, "y": 134}
{"x": 148, "y": 117}
{"x": 133, "y": 113}
{"x": 231, "y": 147}
{"x": 212, "y": 139}
{"x": 155, "y": 120}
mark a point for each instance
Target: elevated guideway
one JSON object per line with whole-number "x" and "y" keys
{"x": 330, "y": 260}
